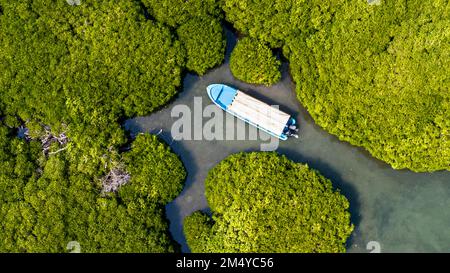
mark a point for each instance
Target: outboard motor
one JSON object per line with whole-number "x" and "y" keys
{"x": 289, "y": 133}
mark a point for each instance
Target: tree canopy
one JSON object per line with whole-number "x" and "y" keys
{"x": 85, "y": 66}
{"x": 273, "y": 21}
{"x": 44, "y": 205}
{"x": 90, "y": 66}
{"x": 70, "y": 75}
{"x": 253, "y": 62}
{"x": 263, "y": 202}
{"x": 177, "y": 12}
{"x": 374, "y": 75}
{"x": 204, "y": 42}
{"x": 388, "y": 90}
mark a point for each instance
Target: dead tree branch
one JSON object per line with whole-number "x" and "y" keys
{"x": 115, "y": 178}
{"x": 49, "y": 138}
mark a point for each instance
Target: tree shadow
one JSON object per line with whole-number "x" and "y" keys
{"x": 173, "y": 212}
{"x": 231, "y": 40}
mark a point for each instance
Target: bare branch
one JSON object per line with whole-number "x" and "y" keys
{"x": 60, "y": 150}
{"x": 116, "y": 177}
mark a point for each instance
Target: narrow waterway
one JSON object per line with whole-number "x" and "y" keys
{"x": 401, "y": 210}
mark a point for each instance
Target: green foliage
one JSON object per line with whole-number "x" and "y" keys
{"x": 92, "y": 65}
{"x": 81, "y": 70}
{"x": 197, "y": 228}
{"x": 86, "y": 66}
{"x": 253, "y": 62}
{"x": 44, "y": 206}
{"x": 117, "y": 60}
{"x": 157, "y": 174}
{"x": 15, "y": 165}
{"x": 177, "y": 12}
{"x": 374, "y": 75}
{"x": 30, "y": 56}
{"x": 204, "y": 42}
{"x": 198, "y": 27}
{"x": 263, "y": 202}
{"x": 378, "y": 77}
{"x": 272, "y": 21}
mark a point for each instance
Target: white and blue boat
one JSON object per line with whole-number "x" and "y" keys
{"x": 253, "y": 111}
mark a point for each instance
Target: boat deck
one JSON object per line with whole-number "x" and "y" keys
{"x": 258, "y": 112}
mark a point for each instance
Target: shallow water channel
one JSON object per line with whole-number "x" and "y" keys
{"x": 399, "y": 211}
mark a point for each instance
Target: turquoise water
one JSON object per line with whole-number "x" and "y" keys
{"x": 401, "y": 210}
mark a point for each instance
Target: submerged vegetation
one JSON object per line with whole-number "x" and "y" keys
{"x": 253, "y": 62}
{"x": 263, "y": 202}
{"x": 377, "y": 76}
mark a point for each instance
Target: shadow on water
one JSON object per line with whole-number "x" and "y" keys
{"x": 230, "y": 44}
{"x": 172, "y": 209}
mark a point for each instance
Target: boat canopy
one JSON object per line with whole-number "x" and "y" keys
{"x": 259, "y": 113}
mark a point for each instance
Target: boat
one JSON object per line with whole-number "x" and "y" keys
{"x": 253, "y": 111}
